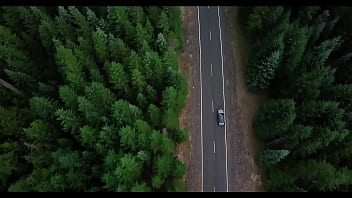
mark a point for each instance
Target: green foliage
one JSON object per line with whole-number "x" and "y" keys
{"x": 280, "y": 181}
{"x": 321, "y": 113}
{"x": 295, "y": 135}
{"x": 40, "y": 132}
{"x": 274, "y": 118}
{"x": 321, "y": 52}
{"x": 128, "y": 170}
{"x": 100, "y": 43}
{"x": 68, "y": 120}
{"x": 99, "y": 100}
{"x": 181, "y": 135}
{"x": 271, "y": 157}
{"x": 8, "y": 162}
{"x": 307, "y": 13}
{"x": 321, "y": 176}
{"x": 128, "y": 138}
{"x": 68, "y": 95}
{"x": 88, "y": 136}
{"x": 125, "y": 113}
{"x": 180, "y": 169}
{"x": 260, "y": 74}
{"x": 269, "y": 51}
{"x": 157, "y": 181}
{"x": 311, "y": 129}
{"x": 341, "y": 94}
{"x": 263, "y": 19}
{"x": 43, "y": 107}
{"x": 161, "y": 43}
{"x": 154, "y": 115}
{"x": 140, "y": 188}
{"x": 308, "y": 84}
{"x": 163, "y": 23}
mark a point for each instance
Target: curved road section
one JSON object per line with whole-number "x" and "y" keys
{"x": 214, "y": 144}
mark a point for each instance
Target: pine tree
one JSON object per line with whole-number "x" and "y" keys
{"x": 143, "y": 132}
{"x": 68, "y": 119}
{"x": 321, "y": 114}
{"x": 136, "y": 14}
{"x": 141, "y": 34}
{"x": 8, "y": 162}
{"x": 125, "y": 113}
{"x": 161, "y": 43}
{"x": 70, "y": 65}
{"x": 163, "y": 23}
{"x": 163, "y": 165}
{"x": 322, "y": 52}
{"x": 271, "y": 157}
{"x": 321, "y": 176}
{"x": 155, "y": 141}
{"x": 274, "y": 118}
{"x": 180, "y": 169}
{"x": 138, "y": 81}
{"x": 295, "y": 135}
{"x": 89, "y": 136}
{"x": 118, "y": 77}
{"x": 100, "y": 42}
{"x": 154, "y": 115}
{"x": 44, "y": 108}
{"x": 68, "y": 95}
{"x": 128, "y": 170}
{"x": 276, "y": 180}
{"x": 128, "y": 138}
{"x": 143, "y": 187}
{"x": 40, "y": 132}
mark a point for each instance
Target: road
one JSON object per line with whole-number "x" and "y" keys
{"x": 214, "y": 144}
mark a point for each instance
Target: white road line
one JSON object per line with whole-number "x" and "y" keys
{"x": 214, "y": 146}
{"x": 214, "y": 188}
{"x": 212, "y": 105}
{"x": 210, "y": 34}
{"x": 223, "y": 93}
{"x": 208, "y": 7}
{"x": 211, "y": 69}
{"x": 201, "y": 99}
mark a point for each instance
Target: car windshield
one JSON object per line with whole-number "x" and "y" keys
{"x": 221, "y": 117}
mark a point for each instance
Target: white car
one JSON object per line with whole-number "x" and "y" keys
{"x": 221, "y": 117}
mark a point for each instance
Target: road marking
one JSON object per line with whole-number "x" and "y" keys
{"x": 214, "y": 146}
{"x": 210, "y": 34}
{"x": 212, "y": 105}
{"x": 214, "y": 188}
{"x": 223, "y": 93}
{"x": 208, "y": 7}
{"x": 211, "y": 69}
{"x": 201, "y": 99}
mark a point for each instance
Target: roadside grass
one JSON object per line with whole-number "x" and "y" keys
{"x": 248, "y": 102}
{"x": 183, "y": 150}
{"x": 179, "y": 185}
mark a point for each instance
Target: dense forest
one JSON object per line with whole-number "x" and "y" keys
{"x": 301, "y": 58}
{"x": 90, "y": 98}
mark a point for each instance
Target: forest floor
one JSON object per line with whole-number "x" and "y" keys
{"x": 248, "y": 175}
{"x": 190, "y": 152}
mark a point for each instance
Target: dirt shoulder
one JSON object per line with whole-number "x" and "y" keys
{"x": 190, "y": 151}
{"x": 246, "y": 173}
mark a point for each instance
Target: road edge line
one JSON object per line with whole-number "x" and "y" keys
{"x": 223, "y": 93}
{"x": 201, "y": 99}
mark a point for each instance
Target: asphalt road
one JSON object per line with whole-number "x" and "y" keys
{"x": 214, "y": 145}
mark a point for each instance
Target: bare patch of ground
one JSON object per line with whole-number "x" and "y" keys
{"x": 190, "y": 151}
{"x": 247, "y": 174}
